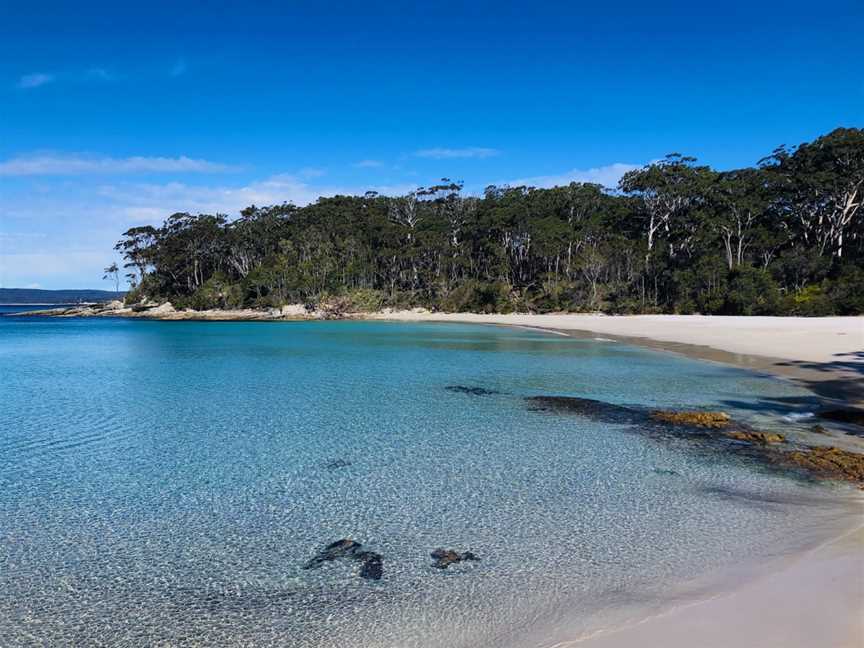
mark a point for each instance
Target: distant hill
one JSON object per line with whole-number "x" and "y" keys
{"x": 33, "y": 296}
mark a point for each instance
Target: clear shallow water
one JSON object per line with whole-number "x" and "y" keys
{"x": 162, "y": 483}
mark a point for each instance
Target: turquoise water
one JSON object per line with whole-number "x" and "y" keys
{"x": 163, "y": 483}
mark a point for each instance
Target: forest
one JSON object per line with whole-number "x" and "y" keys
{"x": 784, "y": 237}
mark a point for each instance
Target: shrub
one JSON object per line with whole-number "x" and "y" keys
{"x": 810, "y": 301}
{"x": 478, "y": 297}
{"x": 217, "y": 292}
{"x": 847, "y": 291}
{"x": 752, "y": 292}
{"x": 365, "y": 300}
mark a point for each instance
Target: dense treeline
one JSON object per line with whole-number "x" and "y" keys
{"x": 785, "y": 237}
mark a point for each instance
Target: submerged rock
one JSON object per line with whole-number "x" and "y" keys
{"x": 373, "y": 562}
{"x": 587, "y": 407}
{"x": 446, "y": 557}
{"x": 830, "y": 462}
{"x": 336, "y": 464}
{"x": 373, "y": 565}
{"x": 707, "y": 432}
{"x": 851, "y": 415}
{"x": 473, "y": 391}
{"x": 762, "y": 438}
{"x": 339, "y": 549}
{"x": 697, "y": 418}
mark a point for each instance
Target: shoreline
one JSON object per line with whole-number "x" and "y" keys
{"x": 806, "y": 598}
{"x": 810, "y": 597}
{"x": 790, "y": 594}
{"x": 825, "y": 355}
{"x": 834, "y": 371}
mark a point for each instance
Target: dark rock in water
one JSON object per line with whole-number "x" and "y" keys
{"x": 587, "y": 407}
{"x": 336, "y": 464}
{"x": 446, "y": 557}
{"x": 373, "y": 565}
{"x": 474, "y": 391}
{"x": 818, "y": 429}
{"x": 851, "y": 415}
{"x": 339, "y": 549}
{"x": 667, "y": 472}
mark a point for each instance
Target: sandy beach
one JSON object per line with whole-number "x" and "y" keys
{"x": 824, "y": 354}
{"x": 814, "y": 599}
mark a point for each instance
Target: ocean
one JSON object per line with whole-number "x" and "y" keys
{"x": 166, "y": 483}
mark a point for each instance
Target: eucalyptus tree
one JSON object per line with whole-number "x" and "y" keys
{"x": 820, "y": 188}
{"x": 112, "y": 273}
{"x": 676, "y": 236}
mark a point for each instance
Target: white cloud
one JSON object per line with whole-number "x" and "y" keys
{"x": 65, "y": 237}
{"x": 77, "y": 164}
{"x": 35, "y": 80}
{"x": 152, "y": 203}
{"x": 34, "y": 286}
{"x": 454, "y": 153}
{"x": 368, "y": 164}
{"x": 608, "y": 176}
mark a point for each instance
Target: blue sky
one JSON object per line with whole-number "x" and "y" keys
{"x": 113, "y": 116}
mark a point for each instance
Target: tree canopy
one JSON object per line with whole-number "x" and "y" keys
{"x": 784, "y": 237}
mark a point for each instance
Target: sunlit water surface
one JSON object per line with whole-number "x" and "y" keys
{"x": 163, "y": 483}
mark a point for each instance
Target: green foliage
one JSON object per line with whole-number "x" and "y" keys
{"x": 846, "y": 292}
{"x": 751, "y": 292}
{"x": 810, "y": 301}
{"x": 478, "y": 297}
{"x": 217, "y": 292}
{"x": 365, "y": 300}
{"x": 784, "y": 237}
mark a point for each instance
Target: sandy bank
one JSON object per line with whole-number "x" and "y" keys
{"x": 824, "y": 354}
{"x": 814, "y": 599}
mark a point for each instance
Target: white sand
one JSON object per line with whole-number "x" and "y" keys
{"x": 816, "y": 601}
{"x": 803, "y": 339}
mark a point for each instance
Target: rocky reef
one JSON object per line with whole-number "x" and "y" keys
{"x": 594, "y": 410}
{"x": 763, "y": 438}
{"x": 700, "y": 419}
{"x": 829, "y": 462}
{"x": 166, "y": 311}
{"x": 715, "y": 430}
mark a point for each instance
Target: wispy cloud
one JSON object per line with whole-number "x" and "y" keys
{"x": 608, "y": 176}
{"x": 79, "y": 164}
{"x": 368, "y": 164}
{"x": 454, "y": 153}
{"x": 36, "y": 80}
{"x": 179, "y": 68}
{"x": 152, "y": 203}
